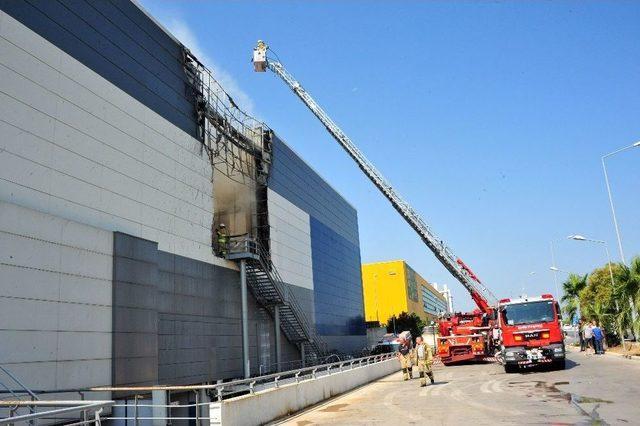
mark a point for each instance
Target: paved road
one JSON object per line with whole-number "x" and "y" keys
{"x": 592, "y": 390}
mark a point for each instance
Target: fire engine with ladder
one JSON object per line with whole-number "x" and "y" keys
{"x": 520, "y": 332}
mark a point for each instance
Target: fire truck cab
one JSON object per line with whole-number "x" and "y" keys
{"x": 531, "y": 332}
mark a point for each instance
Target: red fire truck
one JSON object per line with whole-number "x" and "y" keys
{"x": 531, "y": 332}
{"x": 468, "y": 336}
{"x": 464, "y": 336}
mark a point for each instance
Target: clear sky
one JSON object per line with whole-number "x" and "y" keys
{"x": 489, "y": 117}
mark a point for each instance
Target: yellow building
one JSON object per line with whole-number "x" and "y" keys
{"x": 393, "y": 287}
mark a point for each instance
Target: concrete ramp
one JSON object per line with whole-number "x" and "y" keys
{"x": 271, "y": 404}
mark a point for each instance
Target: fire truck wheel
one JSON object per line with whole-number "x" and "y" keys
{"x": 509, "y": 368}
{"x": 560, "y": 364}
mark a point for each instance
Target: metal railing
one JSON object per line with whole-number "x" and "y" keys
{"x": 297, "y": 364}
{"x": 23, "y": 389}
{"x": 18, "y": 394}
{"x": 89, "y": 412}
{"x": 145, "y": 409}
{"x": 250, "y": 385}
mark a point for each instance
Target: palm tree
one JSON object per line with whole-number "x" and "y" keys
{"x": 628, "y": 293}
{"x": 599, "y": 312}
{"x": 571, "y": 298}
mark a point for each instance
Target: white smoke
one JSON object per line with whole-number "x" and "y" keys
{"x": 183, "y": 33}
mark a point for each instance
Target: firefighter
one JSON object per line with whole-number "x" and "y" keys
{"x": 404, "y": 355}
{"x": 222, "y": 237}
{"x": 423, "y": 358}
{"x": 412, "y": 356}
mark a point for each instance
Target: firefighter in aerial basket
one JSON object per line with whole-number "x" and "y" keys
{"x": 423, "y": 358}
{"x": 404, "y": 355}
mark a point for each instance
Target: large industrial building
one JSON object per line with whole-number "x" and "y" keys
{"x": 393, "y": 287}
{"x": 120, "y": 159}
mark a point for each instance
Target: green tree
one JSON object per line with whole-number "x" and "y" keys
{"x": 571, "y": 298}
{"x": 406, "y": 321}
{"x": 613, "y": 305}
{"x": 628, "y": 294}
{"x": 598, "y": 300}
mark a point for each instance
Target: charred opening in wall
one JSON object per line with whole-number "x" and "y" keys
{"x": 239, "y": 148}
{"x": 234, "y": 205}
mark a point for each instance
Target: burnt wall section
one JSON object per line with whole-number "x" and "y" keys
{"x": 118, "y": 41}
{"x": 178, "y": 320}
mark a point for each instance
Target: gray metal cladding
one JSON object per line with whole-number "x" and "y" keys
{"x": 305, "y": 298}
{"x": 178, "y": 320}
{"x": 121, "y": 43}
{"x": 135, "y": 317}
{"x": 55, "y": 300}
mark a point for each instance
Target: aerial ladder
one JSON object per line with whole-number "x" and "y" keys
{"x": 481, "y": 295}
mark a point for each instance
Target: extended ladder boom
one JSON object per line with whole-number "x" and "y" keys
{"x": 479, "y": 293}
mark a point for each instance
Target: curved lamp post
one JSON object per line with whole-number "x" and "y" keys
{"x": 613, "y": 210}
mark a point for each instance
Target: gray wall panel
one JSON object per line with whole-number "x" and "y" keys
{"x": 55, "y": 314}
{"x": 305, "y": 298}
{"x": 135, "y": 316}
{"x": 76, "y": 146}
{"x": 188, "y": 318}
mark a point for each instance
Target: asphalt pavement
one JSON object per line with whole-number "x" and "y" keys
{"x": 591, "y": 390}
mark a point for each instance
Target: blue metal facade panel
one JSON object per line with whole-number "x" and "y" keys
{"x": 337, "y": 282}
{"x": 119, "y": 42}
{"x": 335, "y": 247}
{"x": 292, "y": 178}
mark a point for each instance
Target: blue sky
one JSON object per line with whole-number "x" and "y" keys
{"x": 489, "y": 117}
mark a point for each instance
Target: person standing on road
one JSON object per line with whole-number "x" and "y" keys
{"x": 404, "y": 355}
{"x": 423, "y": 359}
{"x": 598, "y": 337}
{"x": 588, "y": 336}
{"x": 581, "y": 335}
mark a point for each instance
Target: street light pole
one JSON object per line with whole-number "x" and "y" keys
{"x": 526, "y": 282}
{"x": 613, "y": 210}
{"x": 606, "y": 249}
{"x": 554, "y": 269}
